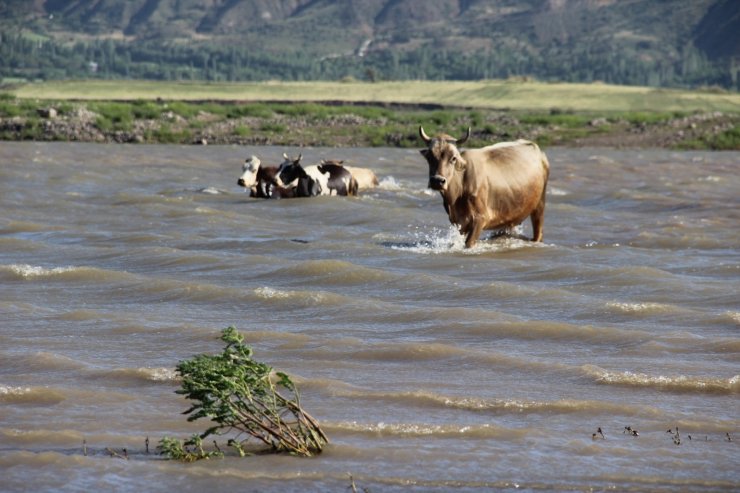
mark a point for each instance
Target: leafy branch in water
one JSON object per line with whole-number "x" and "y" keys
{"x": 189, "y": 451}
{"x": 245, "y": 399}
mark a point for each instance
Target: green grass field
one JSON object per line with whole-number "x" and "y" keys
{"x": 512, "y": 95}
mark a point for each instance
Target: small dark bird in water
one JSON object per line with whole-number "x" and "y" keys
{"x": 601, "y": 433}
{"x": 631, "y": 431}
{"x": 729, "y": 438}
{"x": 676, "y": 435}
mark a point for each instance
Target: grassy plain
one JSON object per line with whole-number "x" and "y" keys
{"x": 370, "y": 114}
{"x": 490, "y": 94}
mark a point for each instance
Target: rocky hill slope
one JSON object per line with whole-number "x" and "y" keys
{"x": 668, "y": 42}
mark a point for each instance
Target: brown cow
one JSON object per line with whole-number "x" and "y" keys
{"x": 257, "y": 178}
{"x": 489, "y": 188}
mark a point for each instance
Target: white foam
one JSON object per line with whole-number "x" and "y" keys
{"x": 210, "y": 190}
{"x": 8, "y": 390}
{"x": 266, "y": 292}
{"x": 389, "y": 183}
{"x": 159, "y": 374}
{"x": 557, "y": 192}
{"x": 438, "y": 241}
{"x": 636, "y": 307}
{"x": 27, "y": 271}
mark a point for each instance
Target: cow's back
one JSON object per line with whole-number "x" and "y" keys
{"x": 509, "y": 177}
{"x": 507, "y": 166}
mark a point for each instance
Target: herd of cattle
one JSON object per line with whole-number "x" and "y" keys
{"x": 492, "y": 188}
{"x": 291, "y": 179}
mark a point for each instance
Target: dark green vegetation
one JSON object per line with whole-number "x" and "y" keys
{"x": 347, "y": 125}
{"x": 244, "y": 399}
{"x": 637, "y": 42}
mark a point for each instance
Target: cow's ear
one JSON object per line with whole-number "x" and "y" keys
{"x": 424, "y": 152}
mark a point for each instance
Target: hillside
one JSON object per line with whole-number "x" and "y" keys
{"x": 647, "y": 42}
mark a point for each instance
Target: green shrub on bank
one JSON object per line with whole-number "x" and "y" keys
{"x": 247, "y": 110}
{"x": 727, "y": 140}
{"x": 569, "y": 120}
{"x": 113, "y": 116}
{"x": 146, "y": 110}
{"x": 165, "y": 134}
{"x": 10, "y": 108}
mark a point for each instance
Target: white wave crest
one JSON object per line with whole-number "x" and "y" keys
{"x": 158, "y": 374}
{"x": 9, "y": 390}
{"x": 677, "y": 382}
{"x": 270, "y": 293}
{"x": 557, "y": 192}
{"x": 210, "y": 190}
{"x": 636, "y": 307}
{"x": 26, "y": 271}
{"x": 389, "y": 183}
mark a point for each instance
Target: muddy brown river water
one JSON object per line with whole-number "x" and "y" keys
{"x": 430, "y": 367}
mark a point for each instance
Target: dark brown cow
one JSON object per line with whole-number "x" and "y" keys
{"x": 493, "y": 187}
{"x": 340, "y": 178}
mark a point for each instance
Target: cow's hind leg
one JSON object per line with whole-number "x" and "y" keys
{"x": 538, "y": 219}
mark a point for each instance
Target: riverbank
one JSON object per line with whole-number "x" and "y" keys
{"x": 353, "y": 124}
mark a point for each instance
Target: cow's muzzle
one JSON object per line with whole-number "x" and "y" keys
{"x": 241, "y": 182}
{"x": 437, "y": 182}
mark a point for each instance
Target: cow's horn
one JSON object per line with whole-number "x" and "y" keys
{"x": 424, "y": 135}
{"x": 462, "y": 140}
{"x": 298, "y": 159}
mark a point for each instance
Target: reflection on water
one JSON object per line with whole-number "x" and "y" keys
{"x": 432, "y": 367}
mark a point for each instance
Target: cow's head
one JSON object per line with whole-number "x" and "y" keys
{"x": 291, "y": 170}
{"x": 443, "y": 157}
{"x": 250, "y": 168}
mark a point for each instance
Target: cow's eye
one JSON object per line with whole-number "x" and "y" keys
{"x": 453, "y": 160}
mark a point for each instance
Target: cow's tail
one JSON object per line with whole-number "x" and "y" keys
{"x": 543, "y": 160}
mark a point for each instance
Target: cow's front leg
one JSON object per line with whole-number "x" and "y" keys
{"x": 474, "y": 231}
{"x": 475, "y": 223}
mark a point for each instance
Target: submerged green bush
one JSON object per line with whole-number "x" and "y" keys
{"x": 244, "y": 399}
